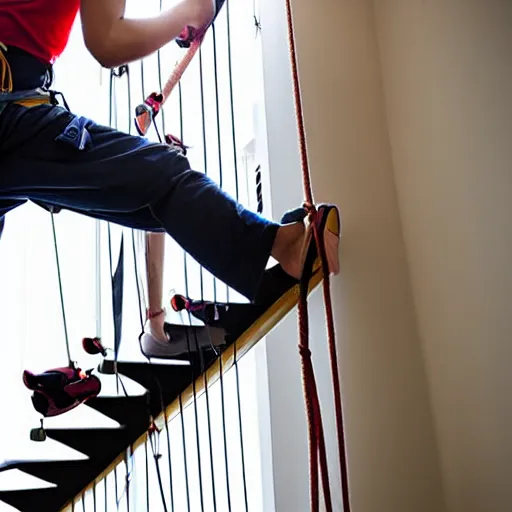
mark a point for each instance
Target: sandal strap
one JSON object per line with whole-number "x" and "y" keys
{"x": 296, "y": 215}
{"x": 153, "y": 314}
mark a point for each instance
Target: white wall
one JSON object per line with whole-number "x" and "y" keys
{"x": 392, "y": 453}
{"x": 448, "y": 73}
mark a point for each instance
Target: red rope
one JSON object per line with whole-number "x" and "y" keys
{"x": 308, "y": 380}
{"x": 315, "y": 427}
{"x": 181, "y": 67}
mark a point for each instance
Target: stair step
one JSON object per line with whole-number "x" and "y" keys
{"x": 67, "y": 474}
{"x": 98, "y": 444}
{"x": 36, "y": 500}
{"x": 131, "y": 411}
{"x": 164, "y": 382}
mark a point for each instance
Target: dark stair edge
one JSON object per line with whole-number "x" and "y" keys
{"x": 36, "y": 500}
{"x": 164, "y": 384}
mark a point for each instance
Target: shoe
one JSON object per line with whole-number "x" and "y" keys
{"x": 181, "y": 341}
{"x": 327, "y": 221}
{"x": 60, "y": 390}
{"x": 275, "y": 283}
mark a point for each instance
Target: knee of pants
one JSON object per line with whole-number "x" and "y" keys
{"x": 154, "y": 176}
{"x": 175, "y": 177}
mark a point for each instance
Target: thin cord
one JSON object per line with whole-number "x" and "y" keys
{"x": 160, "y": 79}
{"x": 137, "y": 284}
{"x": 142, "y": 78}
{"x": 184, "y": 453}
{"x": 128, "y": 79}
{"x": 185, "y": 266}
{"x": 128, "y": 481}
{"x": 240, "y": 426}
{"x": 228, "y": 488}
{"x": 219, "y": 146}
{"x": 156, "y": 455}
{"x": 208, "y": 415}
{"x": 169, "y": 457}
{"x": 63, "y": 308}
{"x": 200, "y": 473}
{"x": 155, "y": 451}
{"x": 115, "y": 485}
{"x": 147, "y": 475}
{"x": 232, "y": 102}
{"x": 214, "y": 35}
{"x": 259, "y": 191}
{"x": 207, "y": 397}
{"x": 98, "y": 279}
{"x": 111, "y": 281}
{"x": 205, "y": 160}
{"x": 205, "y": 163}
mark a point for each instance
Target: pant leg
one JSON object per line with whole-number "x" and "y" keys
{"x": 131, "y": 181}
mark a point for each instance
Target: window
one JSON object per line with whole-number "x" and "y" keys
{"x": 33, "y": 331}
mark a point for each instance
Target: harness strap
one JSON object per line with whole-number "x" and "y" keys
{"x": 6, "y": 84}
{"x": 34, "y": 102}
{"x": 26, "y": 98}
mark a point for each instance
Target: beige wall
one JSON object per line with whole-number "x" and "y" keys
{"x": 447, "y": 68}
{"x": 392, "y": 451}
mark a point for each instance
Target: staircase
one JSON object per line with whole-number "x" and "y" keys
{"x": 103, "y": 446}
{"x": 168, "y": 387}
{"x": 164, "y": 383}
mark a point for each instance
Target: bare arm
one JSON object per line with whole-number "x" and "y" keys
{"x": 114, "y": 40}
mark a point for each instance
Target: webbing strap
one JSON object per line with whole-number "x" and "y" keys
{"x": 25, "y": 98}
{"x": 34, "y": 102}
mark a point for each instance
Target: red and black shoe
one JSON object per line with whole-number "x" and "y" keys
{"x": 147, "y": 111}
{"x": 93, "y": 346}
{"x": 60, "y": 390}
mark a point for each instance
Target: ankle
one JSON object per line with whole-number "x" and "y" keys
{"x": 155, "y": 313}
{"x": 156, "y": 328}
{"x": 286, "y": 237}
{"x": 287, "y": 247}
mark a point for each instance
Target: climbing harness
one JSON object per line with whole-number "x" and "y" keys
{"x": 29, "y": 98}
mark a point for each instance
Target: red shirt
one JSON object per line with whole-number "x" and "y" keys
{"x": 40, "y": 27}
